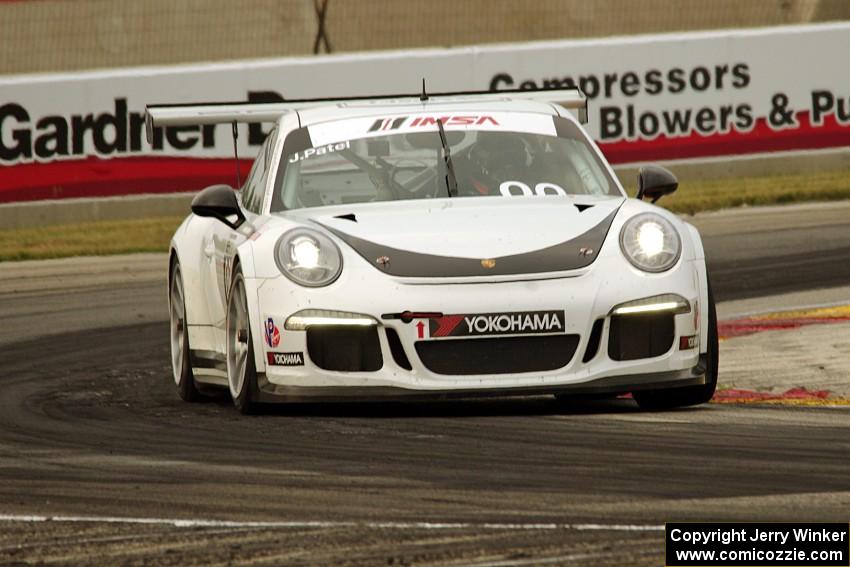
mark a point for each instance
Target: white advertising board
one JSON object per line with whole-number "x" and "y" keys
{"x": 689, "y": 96}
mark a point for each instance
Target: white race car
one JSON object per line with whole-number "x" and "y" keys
{"x": 444, "y": 245}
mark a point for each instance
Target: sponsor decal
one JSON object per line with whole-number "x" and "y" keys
{"x": 464, "y": 120}
{"x": 488, "y": 263}
{"x": 320, "y": 151}
{"x": 285, "y": 358}
{"x": 272, "y": 333}
{"x": 431, "y": 121}
{"x": 490, "y": 324}
{"x": 387, "y": 124}
{"x": 689, "y": 342}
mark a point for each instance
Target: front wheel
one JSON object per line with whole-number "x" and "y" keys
{"x": 241, "y": 368}
{"x": 689, "y": 395}
{"x": 179, "y": 334}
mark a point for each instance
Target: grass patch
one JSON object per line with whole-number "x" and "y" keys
{"x": 153, "y": 235}
{"x": 96, "y": 238}
{"x": 709, "y": 195}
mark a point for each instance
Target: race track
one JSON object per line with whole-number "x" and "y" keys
{"x": 93, "y": 435}
{"x": 774, "y": 250}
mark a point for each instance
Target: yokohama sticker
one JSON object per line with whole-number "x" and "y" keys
{"x": 490, "y": 324}
{"x": 285, "y": 358}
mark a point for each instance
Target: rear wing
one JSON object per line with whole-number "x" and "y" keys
{"x": 249, "y": 112}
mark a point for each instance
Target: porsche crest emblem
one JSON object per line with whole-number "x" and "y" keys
{"x": 488, "y": 263}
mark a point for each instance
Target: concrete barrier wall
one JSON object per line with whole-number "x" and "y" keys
{"x": 699, "y": 99}
{"x": 76, "y": 211}
{"x": 59, "y": 35}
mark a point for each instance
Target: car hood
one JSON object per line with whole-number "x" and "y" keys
{"x": 472, "y": 236}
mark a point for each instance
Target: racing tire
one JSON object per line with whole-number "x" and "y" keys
{"x": 181, "y": 365}
{"x": 241, "y": 367}
{"x": 689, "y": 395}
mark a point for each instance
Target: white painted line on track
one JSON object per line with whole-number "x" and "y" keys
{"x": 205, "y": 523}
{"x": 556, "y": 560}
{"x": 75, "y": 541}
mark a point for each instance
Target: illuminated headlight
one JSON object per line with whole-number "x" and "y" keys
{"x": 650, "y": 242}
{"x": 667, "y": 302}
{"x": 317, "y": 317}
{"x": 308, "y": 257}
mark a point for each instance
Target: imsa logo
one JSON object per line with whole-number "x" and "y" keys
{"x": 431, "y": 121}
{"x": 286, "y": 358}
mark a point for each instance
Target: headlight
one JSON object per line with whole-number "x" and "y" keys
{"x": 650, "y": 242}
{"x": 667, "y": 302}
{"x": 308, "y": 257}
{"x": 316, "y": 317}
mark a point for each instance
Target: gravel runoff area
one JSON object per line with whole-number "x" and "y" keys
{"x": 788, "y": 343}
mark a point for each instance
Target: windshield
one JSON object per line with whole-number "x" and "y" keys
{"x": 385, "y": 164}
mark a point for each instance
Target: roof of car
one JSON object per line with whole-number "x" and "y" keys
{"x": 359, "y": 109}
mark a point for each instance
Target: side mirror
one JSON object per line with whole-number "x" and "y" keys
{"x": 219, "y": 202}
{"x": 655, "y": 181}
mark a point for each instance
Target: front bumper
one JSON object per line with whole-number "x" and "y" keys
{"x": 584, "y": 299}
{"x": 695, "y": 376}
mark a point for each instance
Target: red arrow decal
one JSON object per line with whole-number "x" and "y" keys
{"x": 420, "y": 327}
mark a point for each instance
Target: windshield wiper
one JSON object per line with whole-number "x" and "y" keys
{"x": 451, "y": 180}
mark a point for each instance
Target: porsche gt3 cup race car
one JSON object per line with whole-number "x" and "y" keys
{"x": 444, "y": 245}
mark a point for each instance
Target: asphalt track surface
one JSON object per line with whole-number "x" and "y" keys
{"x": 93, "y": 435}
